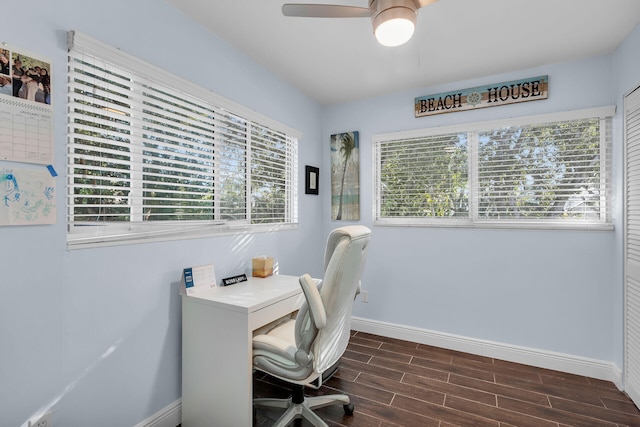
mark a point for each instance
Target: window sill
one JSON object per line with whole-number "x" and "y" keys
{"x": 77, "y": 241}
{"x": 497, "y": 226}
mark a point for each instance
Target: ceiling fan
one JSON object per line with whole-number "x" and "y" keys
{"x": 393, "y": 20}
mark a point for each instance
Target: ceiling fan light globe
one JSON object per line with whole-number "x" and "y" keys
{"x": 395, "y": 26}
{"x": 394, "y": 32}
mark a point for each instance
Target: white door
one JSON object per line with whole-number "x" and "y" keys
{"x": 632, "y": 245}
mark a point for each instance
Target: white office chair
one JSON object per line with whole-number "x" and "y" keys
{"x": 299, "y": 351}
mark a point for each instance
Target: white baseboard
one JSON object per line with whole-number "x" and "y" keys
{"x": 592, "y": 368}
{"x": 169, "y": 416}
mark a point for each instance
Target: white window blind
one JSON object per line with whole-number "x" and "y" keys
{"x": 158, "y": 157}
{"x": 632, "y": 246}
{"x": 424, "y": 177}
{"x": 537, "y": 171}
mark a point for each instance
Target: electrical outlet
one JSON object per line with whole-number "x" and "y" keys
{"x": 44, "y": 420}
{"x": 364, "y": 296}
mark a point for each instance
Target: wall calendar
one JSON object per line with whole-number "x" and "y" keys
{"x": 26, "y": 113}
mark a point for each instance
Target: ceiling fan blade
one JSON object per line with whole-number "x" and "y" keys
{"x": 424, "y": 3}
{"x": 324, "y": 11}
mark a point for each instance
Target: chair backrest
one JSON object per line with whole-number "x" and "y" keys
{"x": 346, "y": 252}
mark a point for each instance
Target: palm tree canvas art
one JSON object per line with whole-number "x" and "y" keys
{"x": 345, "y": 177}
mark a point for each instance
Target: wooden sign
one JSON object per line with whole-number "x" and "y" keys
{"x": 491, "y": 95}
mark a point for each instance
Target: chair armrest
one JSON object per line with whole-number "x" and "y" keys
{"x": 314, "y": 301}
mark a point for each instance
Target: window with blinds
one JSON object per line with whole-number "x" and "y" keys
{"x": 157, "y": 158}
{"x": 530, "y": 172}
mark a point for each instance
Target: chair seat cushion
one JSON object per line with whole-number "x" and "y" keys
{"x": 279, "y": 343}
{"x": 285, "y": 331}
{"x": 275, "y": 351}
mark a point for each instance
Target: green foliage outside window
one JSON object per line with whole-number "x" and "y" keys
{"x": 547, "y": 171}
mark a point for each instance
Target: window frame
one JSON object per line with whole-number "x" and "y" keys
{"x": 92, "y": 234}
{"x": 605, "y": 115}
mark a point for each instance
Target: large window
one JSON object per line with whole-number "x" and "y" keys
{"x": 151, "y": 156}
{"x": 539, "y": 171}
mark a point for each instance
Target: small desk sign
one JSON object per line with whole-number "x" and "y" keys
{"x": 233, "y": 280}
{"x": 195, "y": 279}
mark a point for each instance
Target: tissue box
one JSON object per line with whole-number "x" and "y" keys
{"x": 262, "y": 266}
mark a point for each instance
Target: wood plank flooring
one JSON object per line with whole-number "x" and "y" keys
{"x": 399, "y": 383}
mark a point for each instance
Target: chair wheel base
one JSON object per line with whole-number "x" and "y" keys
{"x": 348, "y": 409}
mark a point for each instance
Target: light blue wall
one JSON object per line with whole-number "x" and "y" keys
{"x": 557, "y": 291}
{"x": 96, "y": 332}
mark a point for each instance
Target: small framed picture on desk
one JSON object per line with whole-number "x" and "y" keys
{"x": 311, "y": 180}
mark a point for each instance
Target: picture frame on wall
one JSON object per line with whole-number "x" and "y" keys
{"x": 345, "y": 176}
{"x": 311, "y": 182}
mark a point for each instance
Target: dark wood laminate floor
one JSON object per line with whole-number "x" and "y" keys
{"x": 399, "y": 383}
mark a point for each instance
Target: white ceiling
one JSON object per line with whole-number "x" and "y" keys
{"x": 334, "y": 60}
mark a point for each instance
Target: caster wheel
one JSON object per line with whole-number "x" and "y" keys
{"x": 348, "y": 409}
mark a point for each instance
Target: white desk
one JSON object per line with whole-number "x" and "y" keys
{"x": 217, "y": 329}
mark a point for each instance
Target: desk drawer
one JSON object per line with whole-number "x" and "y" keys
{"x": 275, "y": 311}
